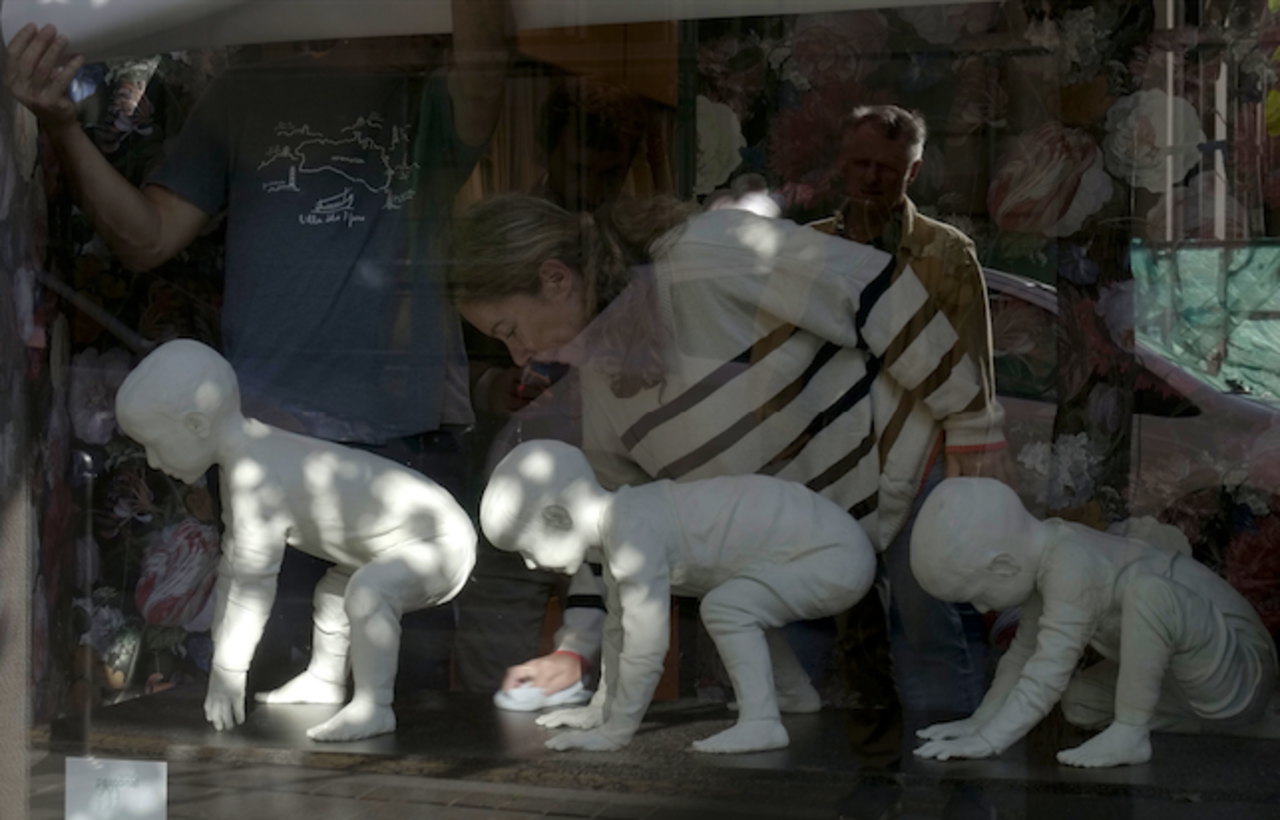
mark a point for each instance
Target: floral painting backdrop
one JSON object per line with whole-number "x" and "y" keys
{"x": 126, "y": 557}
{"x": 1068, "y": 139}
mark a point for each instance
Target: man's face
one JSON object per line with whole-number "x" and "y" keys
{"x": 585, "y": 178}
{"x": 877, "y": 170}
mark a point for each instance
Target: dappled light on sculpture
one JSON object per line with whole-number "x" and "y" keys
{"x": 759, "y": 551}
{"x": 398, "y": 541}
{"x": 1182, "y": 650}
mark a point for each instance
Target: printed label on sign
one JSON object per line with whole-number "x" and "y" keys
{"x": 100, "y": 789}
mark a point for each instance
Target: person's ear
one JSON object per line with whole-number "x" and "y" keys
{"x": 557, "y": 278}
{"x": 914, "y": 170}
{"x": 198, "y": 424}
{"x": 1004, "y": 565}
{"x": 558, "y": 518}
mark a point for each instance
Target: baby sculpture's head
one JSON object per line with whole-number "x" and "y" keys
{"x": 541, "y": 502}
{"x": 974, "y": 542}
{"x": 172, "y": 404}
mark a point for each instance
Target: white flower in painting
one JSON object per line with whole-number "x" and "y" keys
{"x": 1137, "y": 143}
{"x": 104, "y": 623}
{"x": 94, "y": 381}
{"x": 1115, "y": 306}
{"x": 1035, "y": 457}
{"x": 719, "y": 142}
{"x": 1073, "y": 471}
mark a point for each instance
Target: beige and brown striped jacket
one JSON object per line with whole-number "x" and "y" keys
{"x": 785, "y": 352}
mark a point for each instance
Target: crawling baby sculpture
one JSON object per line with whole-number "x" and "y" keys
{"x": 761, "y": 552}
{"x": 1182, "y": 650}
{"x": 398, "y": 541}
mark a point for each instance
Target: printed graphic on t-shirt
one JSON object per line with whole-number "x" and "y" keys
{"x": 337, "y": 174}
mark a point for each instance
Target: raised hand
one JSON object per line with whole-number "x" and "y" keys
{"x": 34, "y": 77}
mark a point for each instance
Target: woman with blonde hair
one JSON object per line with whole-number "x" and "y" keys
{"x": 724, "y": 343}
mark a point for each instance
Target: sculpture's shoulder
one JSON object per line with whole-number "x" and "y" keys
{"x": 639, "y": 529}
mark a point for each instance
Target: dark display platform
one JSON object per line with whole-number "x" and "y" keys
{"x": 463, "y": 736}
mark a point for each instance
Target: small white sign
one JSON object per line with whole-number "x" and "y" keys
{"x": 100, "y": 789}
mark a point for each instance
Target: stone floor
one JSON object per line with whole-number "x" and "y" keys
{"x": 455, "y": 757}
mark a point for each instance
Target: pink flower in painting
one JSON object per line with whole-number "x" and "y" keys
{"x": 840, "y": 46}
{"x": 1049, "y": 181}
{"x": 94, "y": 381}
{"x": 178, "y": 574}
{"x": 1138, "y": 140}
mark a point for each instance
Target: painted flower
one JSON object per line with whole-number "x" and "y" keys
{"x": 165, "y": 316}
{"x": 104, "y": 623}
{"x": 732, "y": 71}
{"x": 1137, "y": 145}
{"x": 839, "y": 46}
{"x": 1189, "y": 212}
{"x": 1049, "y": 181}
{"x": 1105, "y": 408}
{"x": 178, "y": 574}
{"x": 979, "y": 99}
{"x": 95, "y": 378}
{"x": 720, "y": 142}
{"x": 129, "y": 498}
{"x": 1073, "y": 471}
{"x": 1075, "y": 266}
{"x": 1115, "y": 307}
{"x": 944, "y": 24}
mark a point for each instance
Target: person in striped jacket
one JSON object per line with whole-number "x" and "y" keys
{"x": 724, "y": 343}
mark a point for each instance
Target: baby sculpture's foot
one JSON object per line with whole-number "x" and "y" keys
{"x": 1120, "y": 744}
{"x": 306, "y": 688}
{"x": 745, "y": 736}
{"x": 356, "y": 720}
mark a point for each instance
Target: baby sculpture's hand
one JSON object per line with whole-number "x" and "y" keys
{"x": 593, "y": 741}
{"x": 974, "y": 746}
{"x": 582, "y": 717}
{"x": 224, "y": 702}
{"x": 950, "y": 731}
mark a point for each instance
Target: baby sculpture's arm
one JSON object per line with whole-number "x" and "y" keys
{"x": 639, "y": 599}
{"x": 1008, "y": 671}
{"x": 244, "y": 594}
{"x": 1069, "y": 599}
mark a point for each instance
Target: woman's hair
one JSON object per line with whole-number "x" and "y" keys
{"x": 497, "y": 246}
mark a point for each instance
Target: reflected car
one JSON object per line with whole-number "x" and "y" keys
{"x": 1188, "y": 435}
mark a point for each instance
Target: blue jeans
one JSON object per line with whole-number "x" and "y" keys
{"x": 939, "y": 655}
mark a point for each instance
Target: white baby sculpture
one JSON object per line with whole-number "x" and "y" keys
{"x": 1182, "y": 650}
{"x": 759, "y": 551}
{"x": 398, "y": 541}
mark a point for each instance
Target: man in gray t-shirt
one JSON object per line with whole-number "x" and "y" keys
{"x": 333, "y": 172}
